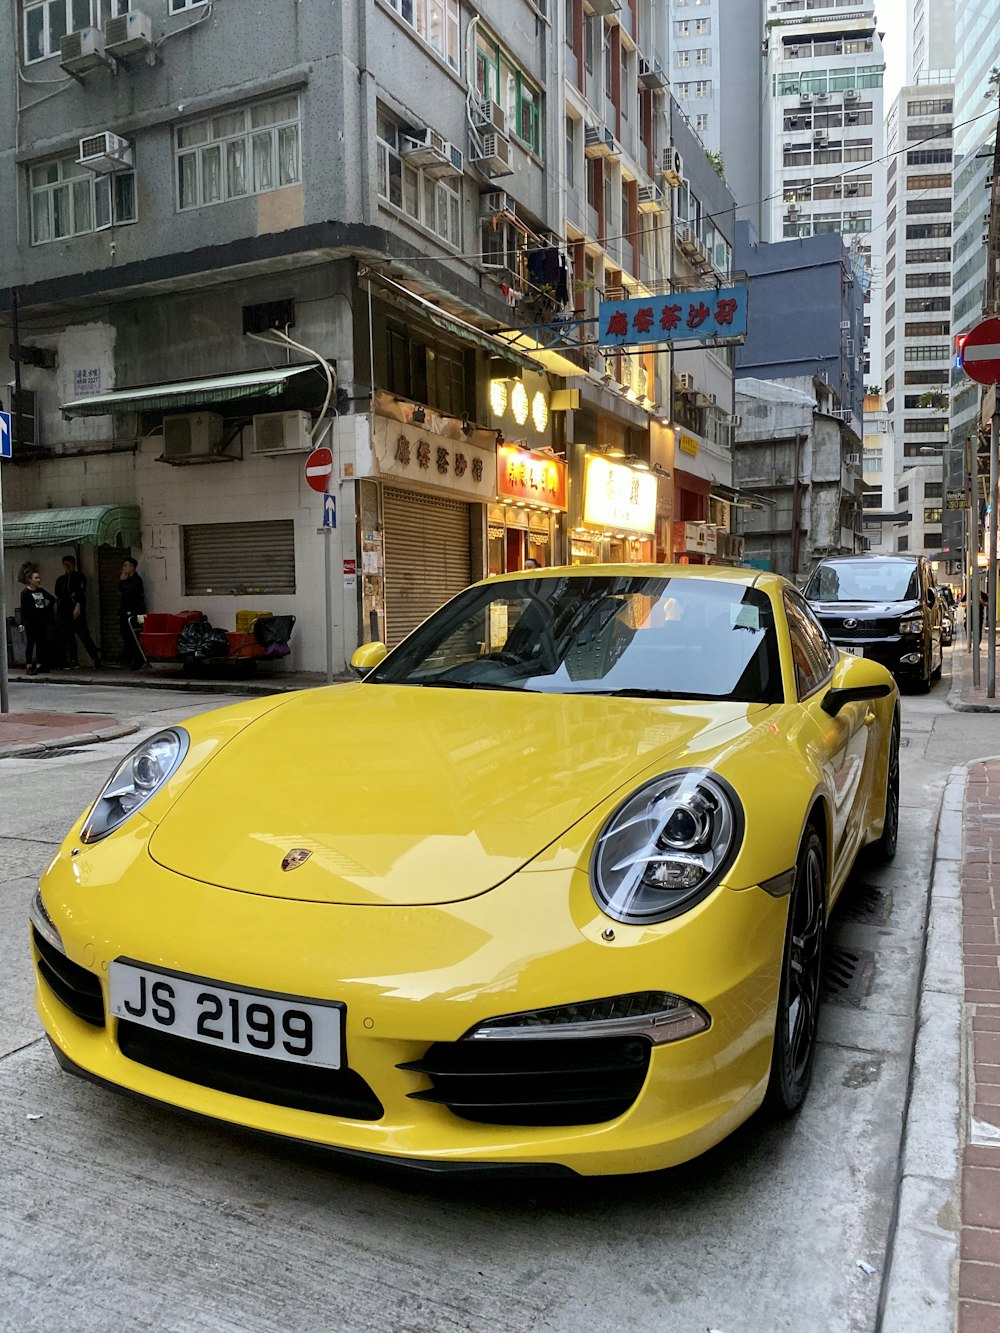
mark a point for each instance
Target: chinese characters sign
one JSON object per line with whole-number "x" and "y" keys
{"x": 522, "y": 475}
{"x": 689, "y": 317}
{"x": 434, "y": 461}
{"x": 86, "y": 382}
{"x": 616, "y": 497}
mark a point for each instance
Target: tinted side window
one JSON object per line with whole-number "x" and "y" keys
{"x": 812, "y": 654}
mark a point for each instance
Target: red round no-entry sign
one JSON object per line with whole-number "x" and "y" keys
{"x": 981, "y": 352}
{"x": 319, "y": 469}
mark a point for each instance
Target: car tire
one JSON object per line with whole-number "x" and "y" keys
{"x": 799, "y": 987}
{"x": 884, "y": 847}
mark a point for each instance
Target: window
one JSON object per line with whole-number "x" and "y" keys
{"x": 434, "y": 204}
{"x": 683, "y": 91}
{"x": 499, "y": 79}
{"x": 932, "y": 540}
{"x": 930, "y": 107}
{"x": 47, "y": 21}
{"x": 570, "y": 152}
{"x": 932, "y": 490}
{"x": 922, "y": 305}
{"x": 924, "y": 425}
{"x": 873, "y": 463}
{"x": 243, "y": 559}
{"x": 812, "y": 653}
{"x": 703, "y": 55}
{"x": 588, "y": 41}
{"x": 682, "y": 59}
{"x": 249, "y": 150}
{"x": 925, "y": 377}
{"x": 928, "y": 279}
{"x": 932, "y": 516}
{"x": 902, "y": 543}
{"x": 939, "y": 181}
{"x": 68, "y": 200}
{"x": 703, "y": 27}
{"x": 703, "y": 88}
{"x": 926, "y": 157}
{"x": 682, "y": 27}
{"x": 930, "y": 255}
{"x": 436, "y": 21}
{"x": 904, "y": 494}
{"x": 928, "y": 329}
{"x": 701, "y": 121}
{"x": 939, "y": 353}
{"x": 928, "y": 231}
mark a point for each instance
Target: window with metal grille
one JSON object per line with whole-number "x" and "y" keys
{"x": 239, "y": 559}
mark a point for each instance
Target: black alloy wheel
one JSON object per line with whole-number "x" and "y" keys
{"x": 884, "y": 848}
{"x": 799, "y": 991}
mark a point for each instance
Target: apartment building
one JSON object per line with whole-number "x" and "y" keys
{"x": 823, "y": 134}
{"x": 390, "y": 233}
{"x": 918, "y": 304}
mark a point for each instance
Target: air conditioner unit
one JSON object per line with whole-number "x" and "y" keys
{"x": 855, "y": 213}
{"x": 821, "y": 137}
{"x": 492, "y": 155}
{"x": 851, "y": 118}
{"x": 598, "y": 141}
{"x": 495, "y": 201}
{"x": 105, "y": 152}
{"x": 851, "y": 95}
{"x": 425, "y": 149}
{"x": 735, "y": 420}
{"x": 805, "y": 99}
{"x": 852, "y": 459}
{"x": 792, "y": 213}
{"x": 650, "y": 199}
{"x": 490, "y": 116}
{"x": 851, "y": 187}
{"x": 128, "y": 33}
{"x": 673, "y": 168}
{"x": 454, "y": 164}
{"x": 687, "y": 240}
{"x": 792, "y": 52}
{"x": 822, "y": 97}
{"x": 651, "y": 74}
{"x": 194, "y": 435}
{"x": 685, "y": 383}
{"x": 82, "y": 51}
{"x": 282, "y": 433}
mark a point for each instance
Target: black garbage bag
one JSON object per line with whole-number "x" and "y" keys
{"x": 273, "y": 633}
{"x": 200, "y": 639}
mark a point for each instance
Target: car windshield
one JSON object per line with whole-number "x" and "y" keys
{"x": 678, "y": 638}
{"x": 863, "y": 581}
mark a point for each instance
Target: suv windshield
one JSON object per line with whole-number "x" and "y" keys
{"x": 863, "y": 581}
{"x": 587, "y": 634}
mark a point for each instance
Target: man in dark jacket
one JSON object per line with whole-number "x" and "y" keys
{"x": 133, "y": 603}
{"x": 71, "y": 612}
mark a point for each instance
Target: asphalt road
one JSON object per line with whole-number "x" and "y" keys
{"x": 114, "y": 1216}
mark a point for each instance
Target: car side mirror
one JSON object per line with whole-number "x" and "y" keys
{"x": 931, "y": 597}
{"x": 835, "y": 699}
{"x": 855, "y": 679}
{"x": 367, "y": 657}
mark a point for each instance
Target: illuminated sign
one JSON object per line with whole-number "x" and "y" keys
{"x": 522, "y": 475}
{"x": 498, "y": 397}
{"x": 695, "y": 318}
{"x": 540, "y": 412}
{"x": 616, "y": 497}
{"x": 688, "y": 444}
{"x": 519, "y": 403}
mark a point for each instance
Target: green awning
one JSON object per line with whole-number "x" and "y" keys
{"x": 185, "y": 393}
{"x": 101, "y": 525}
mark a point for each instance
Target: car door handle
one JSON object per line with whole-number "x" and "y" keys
{"x": 870, "y": 718}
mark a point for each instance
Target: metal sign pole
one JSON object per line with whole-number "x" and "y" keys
{"x": 4, "y": 683}
{"x": 328, "y": 595}
{"x": 991, "y": 621}
{"x": 974, "y": 582}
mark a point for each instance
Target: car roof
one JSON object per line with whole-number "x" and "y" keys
{"x": 740, "y": 577}
{"x": 870, "y": 557}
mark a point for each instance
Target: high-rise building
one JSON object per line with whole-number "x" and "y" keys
{"x": 930, "y": 41}
{"x": 977, "y": 51}
{"x": 695, "y": 42}
{"x": 823, "y": 136}
{"x": 918, "y": 307}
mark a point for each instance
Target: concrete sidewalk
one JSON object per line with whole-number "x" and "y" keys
{"x": 159, "y": 676}
{"x": 28, "y": 733}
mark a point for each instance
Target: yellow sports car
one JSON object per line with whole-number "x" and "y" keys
{"x": 545, "y": 891}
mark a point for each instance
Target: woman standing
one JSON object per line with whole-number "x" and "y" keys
{"x": 38, "y": 618}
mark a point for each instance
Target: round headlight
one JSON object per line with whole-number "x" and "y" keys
{"x": 666, "y": 847}
{"x": 134, "y": 781}
{"x": 911, "y": 626}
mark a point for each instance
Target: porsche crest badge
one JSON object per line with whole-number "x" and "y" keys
{"x": 295, "y": 858}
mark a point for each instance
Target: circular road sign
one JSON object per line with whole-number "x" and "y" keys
{"x": 319, "y": 469}
{"x": 981, "y": 352}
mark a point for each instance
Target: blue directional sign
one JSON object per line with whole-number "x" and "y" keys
{"x": 5, "y": 435}
{"x": 693, "y": 318}
{"x": 329, "y": 511}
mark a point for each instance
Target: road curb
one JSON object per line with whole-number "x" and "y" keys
{"x": 30, "y": 748}
{"x": 922, "y": 1261}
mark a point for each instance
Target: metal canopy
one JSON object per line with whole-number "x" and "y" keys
{"x": 102, "y": 525}
{"x": 184, "y": 393}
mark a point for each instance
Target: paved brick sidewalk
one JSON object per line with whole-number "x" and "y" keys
{"x": 979, "y": 1267}
{"x": 34, "y": 733}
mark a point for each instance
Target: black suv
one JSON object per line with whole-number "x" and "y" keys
{"x": 882, "y": 606}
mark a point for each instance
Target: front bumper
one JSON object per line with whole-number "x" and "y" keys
{"x": 413, "y": 979}
{"x": 888, "y": 652}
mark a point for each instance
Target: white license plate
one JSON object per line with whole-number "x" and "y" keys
{"x": 280, "y": 1027}
{"x": 854, "y": 652}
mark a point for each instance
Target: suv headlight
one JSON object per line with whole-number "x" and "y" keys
{"x": 666, "y": 847}
{"x": 134, "y": 781}
{"x": 911, "y": 625}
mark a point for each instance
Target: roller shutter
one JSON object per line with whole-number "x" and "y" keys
{"x": 428, "y": 557}
{"x": 239, "y": 559}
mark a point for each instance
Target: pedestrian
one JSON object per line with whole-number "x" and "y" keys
{"x": 532, "y": 563}
{"x": 71, "y": 613}
{"x": 984, "y": 606}
{"x": 133, "y": 603}
{"x": 38, "y": 621}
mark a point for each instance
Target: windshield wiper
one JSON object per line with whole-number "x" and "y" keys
{"x": 469, "y": 685}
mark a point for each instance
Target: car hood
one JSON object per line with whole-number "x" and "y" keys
{"x": 404, "y": 795}
{"x": 866, "y": 610}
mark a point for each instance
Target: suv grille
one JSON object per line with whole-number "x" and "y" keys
{"x": 78, "y": 989}
{"x": 339, "y": 1092}
{"x": 864, "y": 629}
{"x": 574, "y": 1081}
